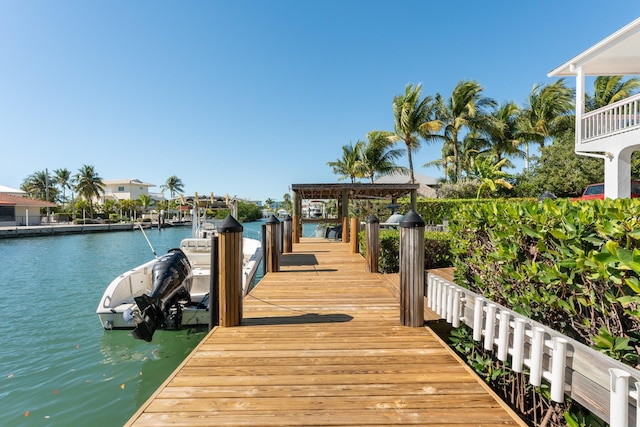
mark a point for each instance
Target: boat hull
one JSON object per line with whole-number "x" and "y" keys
{"x": 117, "y": 305}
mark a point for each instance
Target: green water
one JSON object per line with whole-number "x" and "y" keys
{"x": 58, "y": 367}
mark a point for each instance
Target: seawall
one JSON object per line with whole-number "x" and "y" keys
{"x": 53, "y": 230}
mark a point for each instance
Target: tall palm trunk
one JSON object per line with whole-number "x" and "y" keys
{"x": 456, "y": 156}
{"x": 413, "y": 180}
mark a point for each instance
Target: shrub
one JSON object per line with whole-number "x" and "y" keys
{"x": 87, "y": 221}
{"x": 460, "y": 190}
{"x": 63, "y": 217}
{"x": 436, "y": 250}
{"x": 388, "y": 261}
{"x": 434, "y": 211}
{"x": 572, "y": 266}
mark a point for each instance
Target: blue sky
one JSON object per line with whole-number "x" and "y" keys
{"x": 247, "y": 97}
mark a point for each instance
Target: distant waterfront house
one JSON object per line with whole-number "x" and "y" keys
{"x": 17, "y": 210}
{"x": 611, "y": 133}
{"x": 127, "y": 189}
{"x": 12, "y": 191}
{"x": 428, "y": 184}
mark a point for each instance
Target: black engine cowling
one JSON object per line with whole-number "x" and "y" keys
{"x": 172, "y": 278}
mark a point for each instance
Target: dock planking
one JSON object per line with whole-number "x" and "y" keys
{"x": 321, "y": 344}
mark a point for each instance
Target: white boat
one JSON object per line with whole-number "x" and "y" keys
{"x": 171, "y": 291}
{"x": 316, "y": 209}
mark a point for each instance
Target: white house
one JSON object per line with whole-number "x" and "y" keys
{"x": 611, "y": 133}
{"x": 127, "y": 189}
{"x": 17, "y": 210}
{"x": 12, "y": 191}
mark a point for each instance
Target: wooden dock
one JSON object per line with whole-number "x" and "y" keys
{"x": 321, "y": 345}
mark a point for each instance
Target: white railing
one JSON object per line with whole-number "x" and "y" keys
{"x": 596, "y": 381}
{"x": 621, "y": 116}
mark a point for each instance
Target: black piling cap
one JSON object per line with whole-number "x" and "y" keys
{"x": 372, "y": 219}
{"x": 272, "y": 220}
{"x": 288, "y": 218}
{"x": 230, "y": 225}
{"x": 411, "y": 220}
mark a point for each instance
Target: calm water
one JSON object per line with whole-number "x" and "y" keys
{"x": 58, "y": 367}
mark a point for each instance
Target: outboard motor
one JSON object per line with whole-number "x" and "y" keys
{"x": 172, "y": 278}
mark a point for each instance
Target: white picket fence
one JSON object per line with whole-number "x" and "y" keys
{"x": 596, "y": 381}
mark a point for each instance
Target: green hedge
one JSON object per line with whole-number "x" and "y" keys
{"x": 434, "y": 211}
{"x": 574, "y": 266}
{"x": 436, "y": 250}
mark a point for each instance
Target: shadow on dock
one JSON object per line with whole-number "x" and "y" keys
{"x": 308, "y": 318}
{"x": 297, "y": 260}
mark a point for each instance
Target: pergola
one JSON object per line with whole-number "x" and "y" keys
{"x": 342, "y": 193}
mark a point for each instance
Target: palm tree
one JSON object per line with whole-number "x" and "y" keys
{"x": 349, "y": 166}
{"x": 490, "y": 174}
{"x": 80, "y": 207}
{"x": 548, "y": 113}
{"x": 163, "y": 205}
{"x": 89, "y": 185}
{"x": 286, "y": 202}
{"x": 378, "y": 155}
{"x": 174, "y": 185}
{"x": 131, "y": 206}
{"x": 63, "y": 179}
{"x": 414, "y": 120}
{"x": 445, "y": 162}
{"x": 501, "y": 131}
{"x": 36, "y": 186}
{"x": 110, "y": 206}
{"x": 610, "y": 89}
{"x": 472, "y": 145}
{"x": 145, "y": 201}
{"x": 464, "y": 109}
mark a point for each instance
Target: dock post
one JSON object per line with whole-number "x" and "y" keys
{"x": 230, "y": 272}
{"x": 214, "y": 301}
{"x": 412, "y": 270}
{"x": 297, "y": 214}
{"x": 345, "y": 216}
{"x": 272, "y": 252}
{"x": 353, "y": 235}
{"x": 373, "y": 243}
{"x": 287, "y": 236}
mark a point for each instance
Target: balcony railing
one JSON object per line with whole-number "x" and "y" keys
{"x": 621, "y": 116}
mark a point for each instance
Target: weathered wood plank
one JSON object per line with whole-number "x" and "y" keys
{"x": 225, "y": 390}
{"x": 318, "y": 403}
{"x": 433, "y": 417}
{"x": 321, "y": 344}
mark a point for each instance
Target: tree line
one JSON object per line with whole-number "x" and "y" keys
{"x": 480, "y": 137}
{"x": 88, "y": 186}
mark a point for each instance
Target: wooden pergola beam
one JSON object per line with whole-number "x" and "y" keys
{"x": 342, "y": 193}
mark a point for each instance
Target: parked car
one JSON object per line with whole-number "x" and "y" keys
{"x": 596, "y": 191}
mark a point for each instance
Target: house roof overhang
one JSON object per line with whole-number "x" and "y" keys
{"x": 354, "y": 191}
{"x": 127, "y": 181}
{"x": 617, "y": 54}
{"x": 10, "y": 200}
